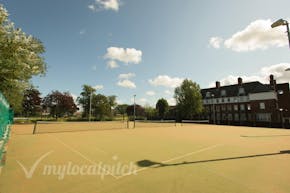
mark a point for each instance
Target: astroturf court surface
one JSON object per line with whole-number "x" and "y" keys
{"x": 163, "y": 159}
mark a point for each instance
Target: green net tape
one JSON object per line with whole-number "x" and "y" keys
{"x": 6, "y": 119}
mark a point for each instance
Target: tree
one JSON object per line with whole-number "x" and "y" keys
{"x": 188, "y": 99}
{"x": 20, "y": 60}
{"x": 150, "y": 112}
{"x": 122, "y": 109}
{"x": 162, "y": 107}
{"x": 101, "y": 106}
{"x": 84, "y": 99}
{"x": 60, "y": 104}
{"x": 31, "y": 102}
{"x": 139, "y": 110}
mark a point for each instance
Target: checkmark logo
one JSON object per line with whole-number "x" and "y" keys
{"x": 29, "y": 173}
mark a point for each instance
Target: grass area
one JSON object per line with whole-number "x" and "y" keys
{"x": 165, "y": 158}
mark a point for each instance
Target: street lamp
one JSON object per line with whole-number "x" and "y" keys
{"x": 281, "y": 22}
{"x": 134, "y": 111}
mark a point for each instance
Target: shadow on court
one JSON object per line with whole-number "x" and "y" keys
{"x": 265, "y": 136}
{"x": 149, "y": 163}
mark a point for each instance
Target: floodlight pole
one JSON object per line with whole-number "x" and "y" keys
{"x": 288, "y": 32}
{"x": 90, "y": 109}
{"x": 282, "y": 22}
{"x": 134, "y": 111}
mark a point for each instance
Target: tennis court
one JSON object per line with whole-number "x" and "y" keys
{"x": 153, "y": 157}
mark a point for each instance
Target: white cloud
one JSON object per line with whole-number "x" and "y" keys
{"x": 125, "y": 55}
{"x": 140, "y": 101}
{"x": 105, "y": 5}
{"x": 168, "y": 92}
{"x": 83, "y": 31}
{"x": 126, "y": 76}
{"x": 257, "y": 35}
{"x": 98, "y": 87}
{"x": 112, "y": 64}
{"x": 216, "y": 42}
{"x": 126, "y": 84}
{"x": 92, "y": 7}
{"x": 166, "y": 81}
{"x": 171, "y": 101}
{"x": 278, "y": 70}
{"x": 150, "y": 93}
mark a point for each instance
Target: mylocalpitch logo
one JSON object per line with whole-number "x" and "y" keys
{"x": 29, "y": 172}
{"x": 116, "y": 170}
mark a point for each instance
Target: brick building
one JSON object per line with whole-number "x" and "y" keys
{"x": 251, "y": 103}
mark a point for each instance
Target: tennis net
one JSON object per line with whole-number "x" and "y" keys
{"x": 155, "y": 123}
{"x": 58, "y": 127}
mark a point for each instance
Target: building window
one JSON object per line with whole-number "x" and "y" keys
{"x": 263, "y": 117}
{"x": 217, "y": 100}
{"x": 224, "y": 117}
{"x": 243, "y": 117}
{"x": 236, "y": 108}
{"x": 217, "y": 108}
{"x": 223, "y": 93}
{"x": 241, "y": 91}
{"x": 229, "y": 100}
{"x": 236, "y": 117}
{"x": 230, "y": 117}
{"x": 208, "y": 94}
{"x": 229, "y": 107}
{"x": 262, "y": 106}
{"x": 242, "y": 107}
{"x": 249, "y": 107}
{"x": 223, "y": 107}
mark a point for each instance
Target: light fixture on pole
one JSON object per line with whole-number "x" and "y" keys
{"x": 281, "y": 22}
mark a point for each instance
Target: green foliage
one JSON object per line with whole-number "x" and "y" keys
{"x": 101, "y": 107}
{"x": 20, "y": 60}
{"x": 188, "y": 99}
{"x": 60, "y": 104}
{"x": 121, "y": 109}
{"x": 84, "y": 99}
{"x": 162, "y": 107}
{"x": 150, "y": 112}
{"x": 31, "y": 102}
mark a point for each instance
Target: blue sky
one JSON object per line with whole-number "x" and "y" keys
{"x": 155, "y": 43}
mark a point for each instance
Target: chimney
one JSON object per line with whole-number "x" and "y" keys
{"x": 217, "y": 84}
{"x": 240, "y": 81}
{"x": 272, "y": 82}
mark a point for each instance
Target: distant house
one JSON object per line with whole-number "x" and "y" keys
{"x": 251, "y": 103}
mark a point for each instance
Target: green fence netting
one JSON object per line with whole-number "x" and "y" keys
{"x": 6, "y": 119}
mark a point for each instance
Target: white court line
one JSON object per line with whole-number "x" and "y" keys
{"x": 80, "y": 154}
{"x": 173, "y": 159}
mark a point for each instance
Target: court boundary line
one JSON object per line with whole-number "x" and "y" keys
{"x": 172, "y": 159}
{"x": 80, "y": 154}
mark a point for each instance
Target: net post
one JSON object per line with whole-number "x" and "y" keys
{"x": 34, "y": 128}
{"x": 128, "y": 124}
